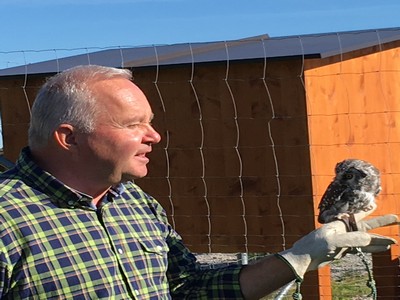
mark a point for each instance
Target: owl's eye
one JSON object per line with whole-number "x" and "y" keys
{"x": 348, "y": 176}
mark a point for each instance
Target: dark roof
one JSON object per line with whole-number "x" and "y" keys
{"x": 307, "y": 46}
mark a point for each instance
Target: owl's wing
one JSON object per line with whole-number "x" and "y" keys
{"x": 332, "y": 202}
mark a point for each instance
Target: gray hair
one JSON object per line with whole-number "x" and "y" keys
{"x": 67, "y": 98}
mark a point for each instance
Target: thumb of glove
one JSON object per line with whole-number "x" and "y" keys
{"x": 377, "y": 222}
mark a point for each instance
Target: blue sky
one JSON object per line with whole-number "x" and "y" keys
{"x": 38, "y": 30}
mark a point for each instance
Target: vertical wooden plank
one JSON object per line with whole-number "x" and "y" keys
{"x": 16, "y": 98}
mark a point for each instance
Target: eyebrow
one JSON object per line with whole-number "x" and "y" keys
{"x": 141, "y": 119}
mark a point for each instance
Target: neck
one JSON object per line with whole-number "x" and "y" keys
{"x": 97, "y": 199}
{"x": 65, "y": 170}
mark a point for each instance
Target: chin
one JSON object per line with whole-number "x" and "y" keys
{"x": 133, "y": 176}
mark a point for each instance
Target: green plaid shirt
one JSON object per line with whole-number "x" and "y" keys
{"x": 55, "y": 244}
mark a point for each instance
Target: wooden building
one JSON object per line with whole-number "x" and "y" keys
{"x": 251, "y": 131}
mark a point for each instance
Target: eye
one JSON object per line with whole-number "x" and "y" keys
{"x": 140, "y": 125}
{"x": 133, "y": 125}
{"x": 348, "y": 176}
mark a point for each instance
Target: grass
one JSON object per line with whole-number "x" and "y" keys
{"x": 351, "y": 287}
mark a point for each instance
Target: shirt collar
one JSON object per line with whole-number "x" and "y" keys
{"x": 60, "y": 194}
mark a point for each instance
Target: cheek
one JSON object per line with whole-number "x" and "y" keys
{"x": 115, "y": 144}
{"x": 128, "y": 144}
{"x": 136, "y": 139}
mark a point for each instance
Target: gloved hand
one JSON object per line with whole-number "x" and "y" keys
{"x": 332, "y": 241}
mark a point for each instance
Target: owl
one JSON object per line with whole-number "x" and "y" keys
{"x": 353, "y": 189}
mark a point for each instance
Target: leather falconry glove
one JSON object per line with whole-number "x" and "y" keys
{"x": 332, "y": 241}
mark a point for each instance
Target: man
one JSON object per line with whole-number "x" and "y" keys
{"x": 74, "y": 226}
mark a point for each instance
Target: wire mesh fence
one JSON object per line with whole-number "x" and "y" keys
{"x": 248, "y": 144}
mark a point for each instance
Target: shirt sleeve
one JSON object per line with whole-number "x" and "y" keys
{"x": 4, "y": 272}
{"x": 188, "y": 281}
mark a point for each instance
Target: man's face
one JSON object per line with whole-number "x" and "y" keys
{"x": 116, "y": 149}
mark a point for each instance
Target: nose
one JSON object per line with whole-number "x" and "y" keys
{"x": 152, "y": 136}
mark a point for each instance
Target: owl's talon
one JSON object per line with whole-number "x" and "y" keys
{"x": 349, "y": 221}
{"x": 343, "y": 216}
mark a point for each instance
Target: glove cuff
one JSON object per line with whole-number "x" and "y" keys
{"x": 299, "y": 265}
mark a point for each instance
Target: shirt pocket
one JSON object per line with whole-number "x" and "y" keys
{"x": 152, "y": 244}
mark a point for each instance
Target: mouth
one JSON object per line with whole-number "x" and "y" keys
{"x": 142, "y": 157}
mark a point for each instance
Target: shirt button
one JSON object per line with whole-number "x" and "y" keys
{"x": 120, "y": 251}
{"x": 137, "y": 293}
{"x": 159, "y": 248}
{"x": 70, "y": 202}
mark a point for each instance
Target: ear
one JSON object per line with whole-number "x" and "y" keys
{"x": 64, "y": 136}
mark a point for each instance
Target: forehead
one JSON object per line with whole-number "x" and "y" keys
{"x": 121, "y": 95}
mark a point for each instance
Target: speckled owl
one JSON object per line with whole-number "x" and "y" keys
{"x": 353, "y": 189}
